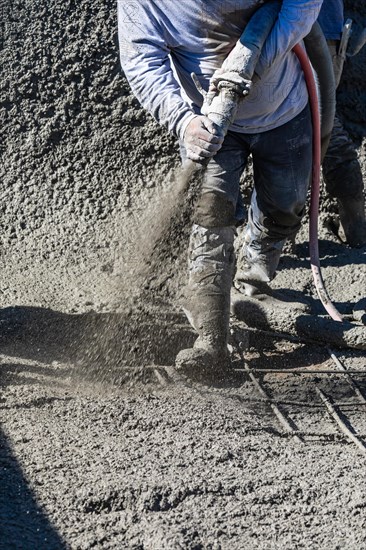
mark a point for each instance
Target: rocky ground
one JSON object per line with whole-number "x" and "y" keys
{"x": 98, "y": 451}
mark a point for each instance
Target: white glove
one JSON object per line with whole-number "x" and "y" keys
{"x": 202, "y": 138}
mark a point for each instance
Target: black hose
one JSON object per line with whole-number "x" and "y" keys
{"x": 320, "y": 58}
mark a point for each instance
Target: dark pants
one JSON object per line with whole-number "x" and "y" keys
{"x": 341, "y": 170}
{"x": 282, "y": 167}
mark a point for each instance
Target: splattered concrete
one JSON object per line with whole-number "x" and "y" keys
{"x": 97, "y": 455}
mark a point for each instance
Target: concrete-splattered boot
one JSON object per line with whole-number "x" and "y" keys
{"x": 256, "y": 267}
{"x": 352, "y": 218}
{"x": 206, "y": 300}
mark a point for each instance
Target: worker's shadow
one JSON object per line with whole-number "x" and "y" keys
{"x": 42, "y": 344}
{"x": 97, "y": 346}
{"x": 38, "y": 343}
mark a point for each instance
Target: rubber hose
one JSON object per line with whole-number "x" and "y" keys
{"x": 315, "y": 185}
{"x": 320, "y": 58}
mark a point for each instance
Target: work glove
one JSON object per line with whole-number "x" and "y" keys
{"x": 202, "y": 139}
{"x": 232, "y": 80}
{"x": 235, "y": 72}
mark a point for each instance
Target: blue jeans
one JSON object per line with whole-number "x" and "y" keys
{"x": 282, "y": 160}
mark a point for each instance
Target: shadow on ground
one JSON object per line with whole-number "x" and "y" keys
{"x": 331, "y": 255}
{"x": 23, "y": 523}
{"x": 100, "y": 346}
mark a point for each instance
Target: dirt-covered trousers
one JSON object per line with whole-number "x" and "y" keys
{"x": 341, "y": 170}
{"x": 282, "y": 160}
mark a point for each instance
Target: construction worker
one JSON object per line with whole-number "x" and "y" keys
{"x": 161, "y": 43}
{"x": 341, "y": 169}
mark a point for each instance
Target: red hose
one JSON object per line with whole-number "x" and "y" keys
{"x": 315, "y": 185}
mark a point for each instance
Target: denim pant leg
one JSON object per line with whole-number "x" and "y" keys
{"x": 211, "y": 257}
{"x": 282, "y": 160}
{"x": 341, "y": 168}
{"x": 219, "y": 203}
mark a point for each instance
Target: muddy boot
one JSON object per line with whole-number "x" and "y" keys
{"x": 206, "y": 302}
{"x": 255, "y": 269}
{"x": 352, "y": 228}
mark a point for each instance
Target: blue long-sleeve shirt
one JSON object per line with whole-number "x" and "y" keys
{"x": 163, "y": 41}
{"x": 331, "y": 19}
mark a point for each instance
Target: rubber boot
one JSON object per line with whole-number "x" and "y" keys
{"x": 206, "y": 301}
{"x": 256, "y": 268}
{"x": 352, "y": 219}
